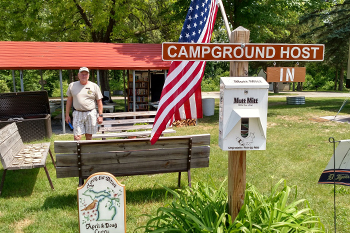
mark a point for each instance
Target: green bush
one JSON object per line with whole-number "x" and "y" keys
{"x": 204, "y": 209}
{"x": 3, "y": 87}
{"x": 200, "y": 209}
{"x": 211, "y": 84}
{"x": 116, "y": 80}
{"x": 275, "y": 212}
{"x": 56, "y": 92}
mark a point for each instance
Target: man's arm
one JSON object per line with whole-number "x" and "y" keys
{"x": 68, "y": 107}
{"x": 100, "y": 111}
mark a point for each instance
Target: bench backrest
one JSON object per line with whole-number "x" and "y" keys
{"x": 123, "y": 157}
{"x": 123, "y": 121}
{"x": 10, "y": 144}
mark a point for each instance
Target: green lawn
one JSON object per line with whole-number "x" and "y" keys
{"x": 297, "y": 150}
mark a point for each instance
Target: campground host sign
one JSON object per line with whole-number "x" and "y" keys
{"x": 242, "y": 52}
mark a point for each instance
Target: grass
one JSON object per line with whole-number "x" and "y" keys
{"x": 297, "y": 151}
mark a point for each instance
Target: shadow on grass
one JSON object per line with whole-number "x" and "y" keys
{"x": 132, "y": 197}
{"x": 59, "y": 201}
{"x": 19, "y": 183}
{"x": 148, "y": 195}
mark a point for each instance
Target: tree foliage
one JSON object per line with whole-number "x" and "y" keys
{"x": 90, "y": 21}
{"x": 156, "y": 21}
{"x": 331, "y": 26}
{"x": 268, "y": 20}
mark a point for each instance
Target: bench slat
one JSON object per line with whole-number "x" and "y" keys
{"x": 13, "y": 139}
{"x": 7, "y": 158}
{"x": 128, "y": 121}
{"x": 122, "y": 128}
{"x": 129, "y": 114}
{"x": 123, "y": 157}
{"x": 149, "y": 167}
{"x": 95, "y": 146}
{"x": 10, "y": 147}
{"x": 65, "y": 147}
{"x": 128, "y": 134}
{"x": 7, "y": 131}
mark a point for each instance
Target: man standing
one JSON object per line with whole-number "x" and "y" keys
{"x": 84, "y": 95}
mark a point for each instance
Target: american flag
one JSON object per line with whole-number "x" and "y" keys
{"x": 181, "y": 96}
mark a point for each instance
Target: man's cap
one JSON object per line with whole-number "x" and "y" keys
{"x": 83, "y": 69}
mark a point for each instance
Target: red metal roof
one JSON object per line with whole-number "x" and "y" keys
{"x": 72, "y": 55}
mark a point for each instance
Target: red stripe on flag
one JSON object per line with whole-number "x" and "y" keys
{"x": 199, "y": 106}
{"x": 187, "y": 108}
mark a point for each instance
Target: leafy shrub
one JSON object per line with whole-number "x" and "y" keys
{"x": 204, "y": 209}
{"x": 275, "y": 212}
{"x": 200, "y": 209}
{"x": 56, "y": 92}
{"x": 116, "y": 80}
{"x": 3, "y": 87}
{"x": 211, "y": 84}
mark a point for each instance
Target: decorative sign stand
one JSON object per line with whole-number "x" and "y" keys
{"x": 101, "y": 204}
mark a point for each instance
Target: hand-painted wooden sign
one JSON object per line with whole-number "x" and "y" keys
{"x": 242, "y": 52}
{"x": 101, "y": 204}
{"x": 285, "y": 74}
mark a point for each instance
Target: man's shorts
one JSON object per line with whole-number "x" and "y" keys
{"x": 85, "y": 122}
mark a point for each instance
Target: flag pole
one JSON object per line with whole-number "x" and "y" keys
{"x": 222, "y": 9}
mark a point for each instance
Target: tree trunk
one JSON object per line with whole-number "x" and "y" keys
{"x": 92, "y": 75}
{"x": 71, "y": 76}
{"x": 104, "y": 80}
{"x": 300, "y": 86}
{"x": 275, "y": 87}
{"x": 341, "y": 79}
{"x": 336, "y": 79}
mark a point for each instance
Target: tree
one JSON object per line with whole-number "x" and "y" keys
{"x": 132, "y": 21}
{"x": 151, "y": 21}
{"x": 331, "y": 27}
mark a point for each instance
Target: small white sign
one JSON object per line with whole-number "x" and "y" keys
{"x": 101, "y": 205}
{"x": 243, "y": 113}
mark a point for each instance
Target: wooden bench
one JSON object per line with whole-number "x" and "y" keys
{"x": 120, "y": 124}
{"x": 15, "y": 155}
{"x": 126, "y": 157}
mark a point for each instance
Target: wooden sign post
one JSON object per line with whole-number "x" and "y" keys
{"x": 237, "y": 159}
{"x": 101, "y": 204}
{"x": 239, "y": 51}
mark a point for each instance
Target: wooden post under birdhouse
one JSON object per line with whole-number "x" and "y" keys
{"x": 237, "y": 159}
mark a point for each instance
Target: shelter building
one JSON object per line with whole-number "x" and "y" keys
{"x": 140, "y": 60}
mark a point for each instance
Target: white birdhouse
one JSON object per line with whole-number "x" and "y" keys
{"x": 243, "y": 113}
